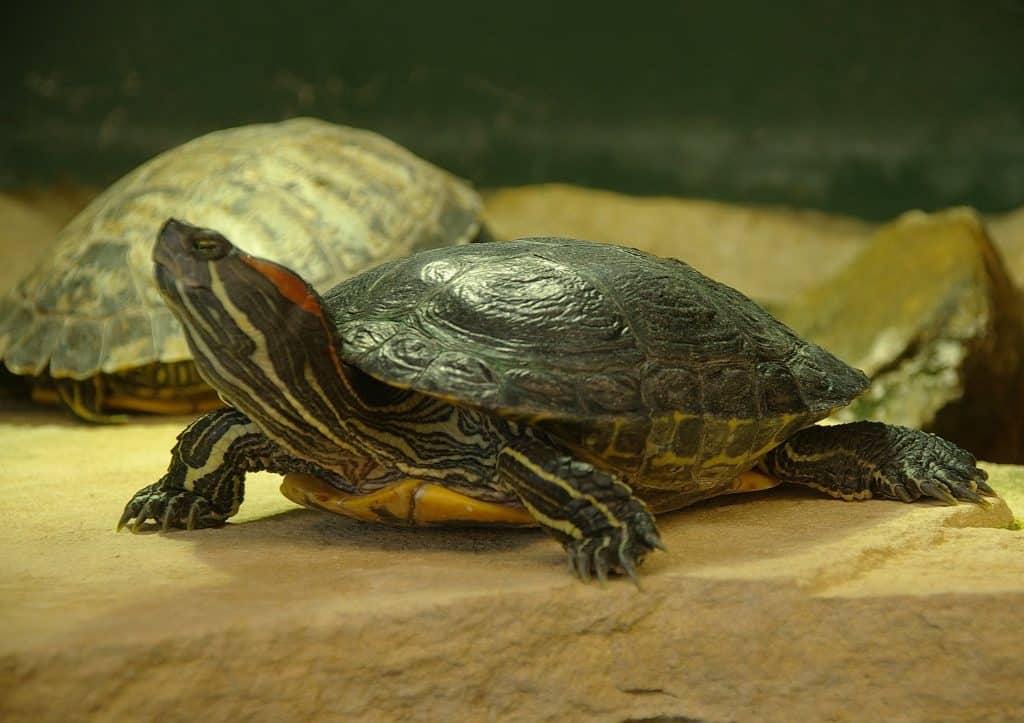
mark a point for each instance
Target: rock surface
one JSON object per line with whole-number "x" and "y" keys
{"x": 774, "y": 606}
{"x": 928, "y": 310}
{"x": 1008, "y": 231}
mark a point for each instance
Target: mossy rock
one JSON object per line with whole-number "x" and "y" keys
{"x": 928, "y": 310}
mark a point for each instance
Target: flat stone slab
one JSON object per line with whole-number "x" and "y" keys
{"x": 778, "y": 605}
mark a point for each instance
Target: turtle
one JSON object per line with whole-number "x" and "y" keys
{"x": 580, "y": 386}
{"x": 88, "y": 325}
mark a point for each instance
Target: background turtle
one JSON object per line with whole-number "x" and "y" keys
{"x": 329, "y": 200}
{"x": 576, "y": 385}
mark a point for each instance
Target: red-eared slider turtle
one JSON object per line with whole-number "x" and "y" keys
{"x": 88, "y": 323}
{"x": 576, "y": 385}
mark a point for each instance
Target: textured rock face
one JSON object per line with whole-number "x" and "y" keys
{"x": 928, "y": 310}
{"x": 775, "y": 606}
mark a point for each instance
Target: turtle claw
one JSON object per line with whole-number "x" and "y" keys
{"x": 653, "y": 539}
{"x": 902, "y": 493}
{"x": 937, "y": 491}
{"x": 148, "y": 510}
{"x": 949, "y": 486}
{"x": 620, "y": 549}
{"x": 168, "y": 509}
{"x": 982, "y": 485}
{"x": 601, "y": 569}
{"x": 972, "y": 496}
{"x": 125, "y": 517}
{"x": 910, "y": 464}
{"x": 629, "y": 567}
{"x": 580, "y": 560}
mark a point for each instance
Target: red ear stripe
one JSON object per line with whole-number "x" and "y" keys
{"x": 291, "y": 286}
{"x": 295, "y": 290}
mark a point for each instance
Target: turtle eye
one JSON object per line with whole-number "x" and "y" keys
{"x": 209, "y": 247}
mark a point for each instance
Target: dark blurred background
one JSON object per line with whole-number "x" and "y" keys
{"x": 867, "y": 108}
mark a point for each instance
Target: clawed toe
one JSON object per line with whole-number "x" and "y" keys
{"x": 937, "y": 491}
{"x": 979, "y": 479}
{"x": 964, "y": 483}
{"x": 972, "y": 496}
{"x": 621, "y": 550}
{"x": 167, "y": 510}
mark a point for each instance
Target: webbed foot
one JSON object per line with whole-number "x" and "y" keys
{"x": 169, "y": 509}
{"x": 920, "y": 464}
{"x": 861, "y": 460}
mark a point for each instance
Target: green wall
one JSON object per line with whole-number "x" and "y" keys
{"x": 868, "y": 107}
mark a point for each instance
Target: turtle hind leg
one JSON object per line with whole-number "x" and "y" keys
{"x": 205, "y": 481}
{"x": 861, "y": 460}
{"x": 84, "y": 398}
{"x": 602, "y": 525}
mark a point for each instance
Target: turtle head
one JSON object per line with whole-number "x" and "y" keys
{"x": 249, "y": 322}
{"x": 184, "y": 253}
{"x": 198, "y": 269}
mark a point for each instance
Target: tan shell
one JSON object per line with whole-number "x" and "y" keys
{"x": 326, "y": 200}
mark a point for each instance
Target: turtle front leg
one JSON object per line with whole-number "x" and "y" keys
{"x": 861, "y": 460}
{"x": 205, "y": 481}
{"x": 597, "y": 518}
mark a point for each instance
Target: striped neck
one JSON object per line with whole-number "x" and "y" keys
{"x": 262, "y": 338}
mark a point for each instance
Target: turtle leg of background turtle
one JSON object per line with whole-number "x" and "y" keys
{"x": 861, "y": 460}
{"x": 85, "y": 399}
{"x": 597, "y": 518}
{"x": 205, "y": 481}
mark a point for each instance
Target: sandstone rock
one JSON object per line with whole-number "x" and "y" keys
{"x": 929, "y": 312}
{"x": 774, "y": 606}
{"x": 1008, "y": 232}
{"x": 768, "y": 253}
